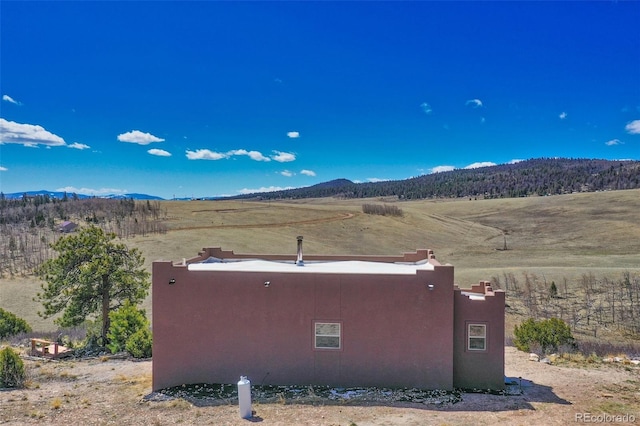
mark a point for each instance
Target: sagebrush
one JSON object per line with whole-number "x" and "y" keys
{"x": 10, "y": 325}
{"x": 547, "y": 335}
{"x": 12, "y": 373}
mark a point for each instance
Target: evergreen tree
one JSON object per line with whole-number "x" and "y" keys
{"x": 92, "y": 275}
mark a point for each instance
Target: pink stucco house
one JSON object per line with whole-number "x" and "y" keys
{"x": 386, "y": 321}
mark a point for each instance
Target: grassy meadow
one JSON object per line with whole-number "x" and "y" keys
{"x": 553, "y": 237}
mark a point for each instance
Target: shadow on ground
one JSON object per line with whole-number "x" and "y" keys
{"x": 518, "y": 395}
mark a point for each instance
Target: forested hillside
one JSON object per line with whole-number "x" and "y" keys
{"x": 544, "y": 176}
{"x": 30, "y": 224}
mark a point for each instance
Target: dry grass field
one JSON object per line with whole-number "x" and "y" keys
{"x": 553, "y": 237}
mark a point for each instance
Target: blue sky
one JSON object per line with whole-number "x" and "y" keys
{"x": 219, "y": 98}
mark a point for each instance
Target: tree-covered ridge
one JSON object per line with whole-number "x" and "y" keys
{"x": 542, "y": 176}
{"x": 28, "y": 225}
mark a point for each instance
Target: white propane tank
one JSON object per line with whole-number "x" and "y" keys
{"x": 244, "y": 397}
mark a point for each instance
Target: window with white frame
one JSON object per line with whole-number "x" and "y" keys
{"x": 327, "y": 335}
{"x": 477, "y": 337}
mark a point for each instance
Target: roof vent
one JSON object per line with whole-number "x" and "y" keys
{"x": 299, "y": 260}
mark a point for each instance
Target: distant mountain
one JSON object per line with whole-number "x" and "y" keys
{"x": 135, "y": 196}
{"x": 336, "y": 183}
{"x": 541, "y": 176}
{"x": 61, "y": 195}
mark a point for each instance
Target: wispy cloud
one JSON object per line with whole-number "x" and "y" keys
{"x": 293, "y": 135}
{"x": 287, "y": 173}
{"x": 77, "y": 145}
{"x": 264, "y": 189}
{"x": 29, "y": 135}
{"x": 633, "y": 127}
{"x": 614, "y": 142}
{"x": 136, "y": 136}
{"x": 159, "y": 152}
{"x": 563, "y": 115}
{"x": 283, "y": 157}
{"x": 474, "y": 103}
{"x": 307, "y": 172}
{"x": 9, "y": 99}
{"x": 92, "y": 191}
{"x": 480, "y": 164}
{"x": 439, "y": 169}
{"x": 3, "y": 169}
{"x": 426, "y": 108}
{"x": 205, "y": 154}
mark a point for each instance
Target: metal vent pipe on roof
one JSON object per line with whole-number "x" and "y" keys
{"x": 299, "y": 260}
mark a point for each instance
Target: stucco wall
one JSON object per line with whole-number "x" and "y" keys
{"x": 214, "y": 327}
{"x": 479, "y": 369}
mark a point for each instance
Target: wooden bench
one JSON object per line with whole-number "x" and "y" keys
{"x": 46, "y": 348}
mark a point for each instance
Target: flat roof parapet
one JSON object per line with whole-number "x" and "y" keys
{"x": 409, "y": 257}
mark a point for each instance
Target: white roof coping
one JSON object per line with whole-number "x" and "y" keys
{"x": 473, "y": 296}
{"x": 314, "y": 267}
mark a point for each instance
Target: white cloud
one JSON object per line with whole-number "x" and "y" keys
{"x": 264, "y": 189}
{"x": 159, "y": 152}
{"x": 3, "y": 169}
{"x": 283, "y": 157}
{"x": 29, "y": 135}
{"x": 287, "y": 173}
{"x": 614, "y": 142}
{"x": 483, "y": 120}
{"x": 475, "y": 103}
{"x": 257, "y": 156}
{"x": 633, "y": 127}
{"x": 136, "y": 136}
{"x": 91, "y": 191}
{"x": 515, "y": 160}
{"x": 426, "y": 108}
{"x": 77, "y": 145}
{"x": 307, "y": 172}
{"x": 293, "y": 135}
{"x": 254, "y": 155}
{"x": 563, "y": 115}
{"x": 480, "y": 164}
{"x": 205, "y": 154}
{"x": 439, "y": 169}
{"x": 8, "y": 98}
{"x": 374, "y": 180}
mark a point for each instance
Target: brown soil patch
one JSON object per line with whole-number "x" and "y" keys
{"x": 109, "y": 391}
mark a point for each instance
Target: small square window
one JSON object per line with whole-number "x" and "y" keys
{"x": 327, "y": 335}
{"x": 477, "y": 337}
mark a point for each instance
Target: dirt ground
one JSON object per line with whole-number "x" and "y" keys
{"x": 106, "y": 391}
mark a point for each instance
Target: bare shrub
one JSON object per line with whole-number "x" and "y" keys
{"x": 601, "y": 349}
{"x": 382, "y": 210}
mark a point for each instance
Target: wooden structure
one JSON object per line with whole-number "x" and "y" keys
{"x": 47, "y": 349}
